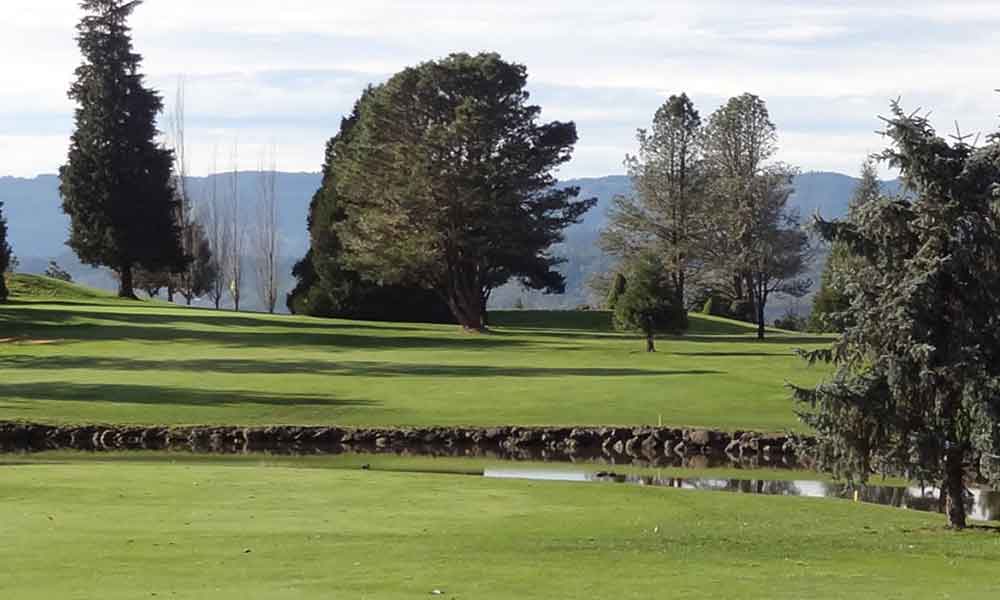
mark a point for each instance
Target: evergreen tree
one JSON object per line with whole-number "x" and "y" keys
{"x": 326, "y": 286}
{"x": 5, "y": 254}
{"x": 663, "y": 214}
{"x": 916, "y": 390}
{"x": 450, "y": 184}
{"x": 117, "y": 185}
{"x": 649, "y": 303}
{"x": 831, "y": 303}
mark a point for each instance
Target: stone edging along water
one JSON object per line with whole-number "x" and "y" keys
{"x": 655, "y": 445}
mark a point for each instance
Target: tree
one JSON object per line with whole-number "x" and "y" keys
{"x": 151, "y": 282}
{"x": 326, "y": 286}
{"x": 200, "y": 276}
{"x": 218, "y": 234}
{"x": 649, "y": 301}
{"x": 831, "y": 302}
{"x": 663, "y": 214}
{"x": 56, "y": 272}
{"x": 117, "y": 186}
{"x": 449, "y": 184}
{"x": 235, "y": 234}
{"x": 616, "y": 290}
{"x": 5, "y": 256}
{"x": 265, "y": 235}
{"x": 916, "y": 389}
{"x": 752, "y": 242}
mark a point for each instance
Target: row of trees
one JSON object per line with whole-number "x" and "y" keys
{"x": 127, "y": 193}
{"x": 710, "y": 205}
{"x": 442, "y": 179}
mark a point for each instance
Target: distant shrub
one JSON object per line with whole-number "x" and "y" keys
{"x": 584, "y": 307}
{"x": 56, "y": 272}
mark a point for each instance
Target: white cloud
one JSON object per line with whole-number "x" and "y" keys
{"x": 287, "y": 72}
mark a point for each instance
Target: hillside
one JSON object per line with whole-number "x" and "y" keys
{"x": 38, "y": 227}
{"x": 79, "y": 356}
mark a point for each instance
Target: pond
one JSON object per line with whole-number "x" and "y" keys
{"x": 697, "y": 476}
{"x": 981, "y": 504}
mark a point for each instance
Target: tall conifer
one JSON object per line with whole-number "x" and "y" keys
{"x": 116, "y": 186}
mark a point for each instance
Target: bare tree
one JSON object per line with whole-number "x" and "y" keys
{"x": 236, "y": 233}
{"x": 179, "y": 281}
{"x": 218, "y": 232}
{"x": 265, "y": 234}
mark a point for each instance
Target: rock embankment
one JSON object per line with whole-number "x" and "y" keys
{"x": 654, "y": 445}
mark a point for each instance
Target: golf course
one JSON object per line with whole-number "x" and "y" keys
{"x": 191, "y": 526}
{"x": 74, "y": 355}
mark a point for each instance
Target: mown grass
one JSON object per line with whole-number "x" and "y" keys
{"x": 83, "y": 356}
{"x": 127, "y": 530}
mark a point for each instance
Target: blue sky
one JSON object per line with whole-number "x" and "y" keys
{"x": 267, "y": 73}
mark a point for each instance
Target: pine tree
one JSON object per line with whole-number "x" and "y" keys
{"x": 450, "y": 185}
{"x": 649, "y": 302}
{"x": 5, "y": 254}
{"x": 916, "y": 390}
{"x": 117, "y": 184}
{"x": 831, "y": 303}
{"x": 663, "y": 214}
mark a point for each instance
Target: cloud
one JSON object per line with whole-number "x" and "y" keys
{"x": 285, "y": 74}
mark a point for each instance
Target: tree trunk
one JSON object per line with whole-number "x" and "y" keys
{"x": 170, "y": 294}
{"x": 126, "y": 289}
{"x": 468, "y": 314}
{"x": 954, "y": 488}
{"x": 759, "y": 303}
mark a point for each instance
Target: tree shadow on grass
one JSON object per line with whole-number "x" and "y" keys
{"x": 172, "y": 395}
{"x": 321, "y": 367}
{"x": 45, "y": 324}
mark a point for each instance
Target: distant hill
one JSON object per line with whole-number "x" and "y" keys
{"x": 38, "y": 227}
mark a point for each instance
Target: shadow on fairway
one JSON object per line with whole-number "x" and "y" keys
{"x": 154, "y": 394}
{"x": 321, "y": 367}
{"x": 235, "y": 331}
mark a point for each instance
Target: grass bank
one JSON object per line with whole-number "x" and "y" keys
{"x": 74, "y": 355}
{"x": 126, "y": 530}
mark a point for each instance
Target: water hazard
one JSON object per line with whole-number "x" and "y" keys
{"x": 981, "y": 504}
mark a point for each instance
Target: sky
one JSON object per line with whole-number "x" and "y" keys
{"x": 263, "y": 74}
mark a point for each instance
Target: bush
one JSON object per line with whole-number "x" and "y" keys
{"x": 648, "y": 302}
{"x": 56, "y": 272}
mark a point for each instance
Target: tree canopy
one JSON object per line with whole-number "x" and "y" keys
{"x": 916, "y": 390}
{"x": 117, "y": 184}
{"x": 831, "y": 304}
{"x": 665, "y": 213}
{"x": 449, "y": 184}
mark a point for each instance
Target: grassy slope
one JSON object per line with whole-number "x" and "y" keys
{"x": 113, "y": 361}
{"x": 130, "y": 530}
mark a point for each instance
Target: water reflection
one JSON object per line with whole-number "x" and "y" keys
{"x": 981, "y": 504}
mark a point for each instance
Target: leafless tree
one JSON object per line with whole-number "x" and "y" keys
{"x": 218, "y": 231}
{"x": 237, "y": 236}
{"x": 180, "y": 281}
{"x": 265, "y": 233}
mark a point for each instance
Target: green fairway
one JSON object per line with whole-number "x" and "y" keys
{"x": 126, "y": 530}
{"x": 73, "y": 355}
